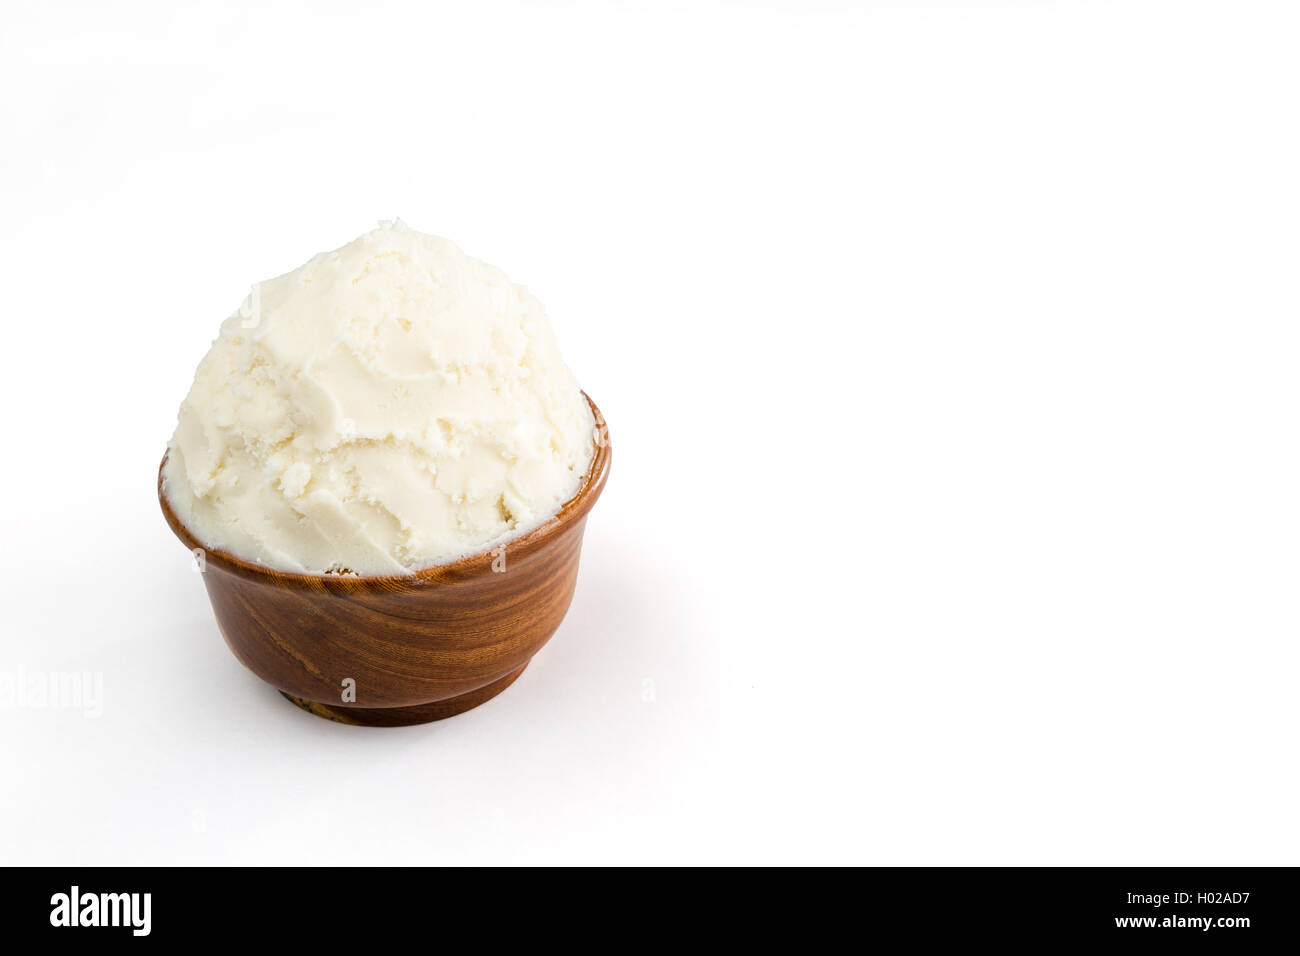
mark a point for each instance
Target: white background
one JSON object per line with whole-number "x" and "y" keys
{"x": 949, "y": 352}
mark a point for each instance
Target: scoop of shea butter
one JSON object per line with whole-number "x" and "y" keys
{"x": 386, "y": 407}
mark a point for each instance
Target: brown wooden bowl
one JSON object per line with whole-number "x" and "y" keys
{"x": 417, "y": 647}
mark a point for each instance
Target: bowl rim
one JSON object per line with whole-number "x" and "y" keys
{"x": 473, "y": 565}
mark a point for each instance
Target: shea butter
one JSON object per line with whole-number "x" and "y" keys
{"x": 386, "y": 407}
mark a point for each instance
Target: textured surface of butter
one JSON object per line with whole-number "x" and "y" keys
{"x": 386, "y": 407}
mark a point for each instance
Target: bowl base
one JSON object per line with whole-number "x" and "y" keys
{"x": 405, "y": 716}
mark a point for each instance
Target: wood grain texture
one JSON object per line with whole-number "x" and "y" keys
{"x": 419, "y": 647}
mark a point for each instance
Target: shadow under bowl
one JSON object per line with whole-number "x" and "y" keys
{"x": 386, "y": 651}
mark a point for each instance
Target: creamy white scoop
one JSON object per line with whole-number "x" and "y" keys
{"x": 388, "y": 406}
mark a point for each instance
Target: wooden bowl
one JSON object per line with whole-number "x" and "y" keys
{"x": 415, "y": 647}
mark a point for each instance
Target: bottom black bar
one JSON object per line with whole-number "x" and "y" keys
{"x": 1222, "y": 907}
